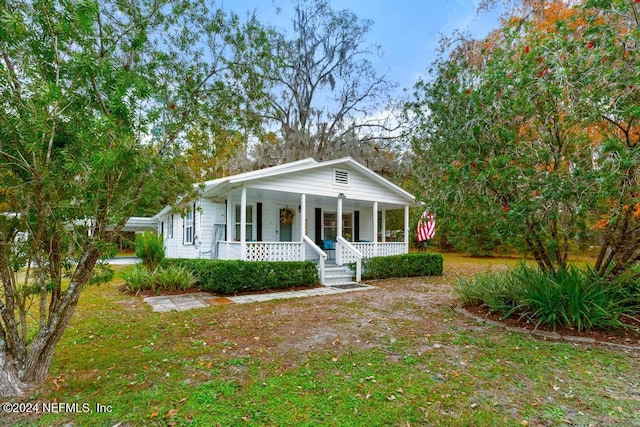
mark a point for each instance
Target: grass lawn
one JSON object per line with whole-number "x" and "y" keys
{"x": 395, "y": 355}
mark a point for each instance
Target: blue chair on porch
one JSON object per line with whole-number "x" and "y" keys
{"x": 329, "y": 246}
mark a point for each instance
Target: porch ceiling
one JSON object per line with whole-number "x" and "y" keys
{"x": 294, "y": 198}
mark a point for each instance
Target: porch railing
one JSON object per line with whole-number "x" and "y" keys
{"x": 371, "y": 249}
{"x": 294, "y": 251}
{"x": 273, "y": 251}
{"x": 322, "y": 257}
{"x": 347, "y": 253}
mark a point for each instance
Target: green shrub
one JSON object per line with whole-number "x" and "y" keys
{"x": 627, "y": 288}
{"x": 150, "y": 249}
{"x": 163, "y": 278}
{"x": 570, "y": 297}
{"x": 174, "y": 278}
{"x": 407, "y": 265}
{"x": 138, "y": 279}
{"x": 498, "y": 291}
{"x": 233, "y": 276}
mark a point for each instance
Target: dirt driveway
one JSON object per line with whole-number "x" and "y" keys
{"x": 395, "y": 309}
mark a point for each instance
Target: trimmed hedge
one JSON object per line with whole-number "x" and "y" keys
{"x": 233, "y": 276}
{"x": 407, "y": 265}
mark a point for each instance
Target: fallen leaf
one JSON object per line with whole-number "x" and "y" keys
{"x": 170, "y": 413}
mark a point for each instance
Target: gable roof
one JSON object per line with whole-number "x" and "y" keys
{"x": 257, "y": 173}
{"x": 220, "y": 185}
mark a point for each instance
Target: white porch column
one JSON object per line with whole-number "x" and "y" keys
{"x": 243, "y": 224}
{"x": 303, "y": 223}
{"x": 230, "y": 221}
{"x": 375, "y": 228}
{"x": 383, "y": 225}
{"x": 339, "y": 218}
{"x": 406, "y": 229}
{"x": 339, "y": 231}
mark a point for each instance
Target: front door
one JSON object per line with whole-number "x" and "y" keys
{"x": 285, "y": 230}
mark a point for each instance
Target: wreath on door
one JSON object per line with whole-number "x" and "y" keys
{"x": 287, "y": 216}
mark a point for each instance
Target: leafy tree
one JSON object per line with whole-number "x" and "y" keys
{"x": 214, "y": 154}
{"x": 324, "y": 90}
{"x": 610, "y": 105}
{"x": 96, "y": 100}
{"x": 527, "y": 138}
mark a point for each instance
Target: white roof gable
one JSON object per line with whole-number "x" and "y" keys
{"x": 222, "y": 185}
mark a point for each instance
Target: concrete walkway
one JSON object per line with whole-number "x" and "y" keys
{"x": 204, "y": 299}
{"x": 124, "y": 260}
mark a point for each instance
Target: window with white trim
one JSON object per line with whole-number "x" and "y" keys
{"x": 249, "y": 225}
{"x": 170, "y": 227}
{"x": 347, "y": 226}
{"x": 189, "y": 226}
{"x": 330, "y": 226}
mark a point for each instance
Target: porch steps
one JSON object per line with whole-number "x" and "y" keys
{"x": 337, "y": 275}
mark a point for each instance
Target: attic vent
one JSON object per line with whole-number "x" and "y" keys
{"x": 340, "y": 177}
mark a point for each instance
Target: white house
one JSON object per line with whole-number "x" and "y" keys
{"x": 305, "y": 210}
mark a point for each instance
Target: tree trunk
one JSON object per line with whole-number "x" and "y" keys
{"x": 37, "y": 366}
{"x": 16, "y": 380}
{"x": 10, "y": 383}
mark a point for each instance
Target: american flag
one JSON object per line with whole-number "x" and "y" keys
{"x": 426, "y": 226}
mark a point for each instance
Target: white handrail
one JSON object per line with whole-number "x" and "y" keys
{"x": 321, "y": 261}
{"x": 343, "y": 243}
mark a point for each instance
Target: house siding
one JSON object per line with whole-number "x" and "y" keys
{"x": 205, "y": 214}
{"x": 320, "y": 182}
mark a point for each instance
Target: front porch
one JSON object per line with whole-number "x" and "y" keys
{"x": 345, "y": 230}
{"x": 345, "y": 253}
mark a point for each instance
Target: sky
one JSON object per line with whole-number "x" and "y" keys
{"x": 408, "y": 31}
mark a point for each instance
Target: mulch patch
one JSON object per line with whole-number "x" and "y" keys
{"x": 628, "y": 336}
